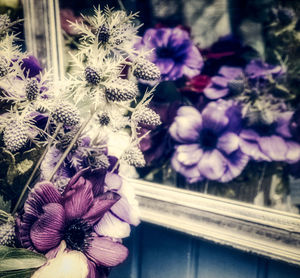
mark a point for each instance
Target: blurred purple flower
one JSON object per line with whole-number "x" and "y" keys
{"x": 258, "y": 69}
{"x": 31, "y": 66}
{"x": 271, "y": 142}
{"x": 50, "y": 218}
{"x": 218, "y": 86}
{"x": 209, "y": 143}
{"x": 174, "y": 52}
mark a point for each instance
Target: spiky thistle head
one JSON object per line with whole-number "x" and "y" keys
{"x": 98, "y": 161}
{"x": 134, "y": 156}
{"x": 91, "y": 76}
{"x": 7, "y": 234}
{"x": 103, "y": 118}
{"x": 32, "y": 89}
{"x": 15, "y": 135}
{"x": 146, "y": 116}
{"x": 121, "y": 90}
{"x": 145, "y": 70}
{"x": 66, "y": 113}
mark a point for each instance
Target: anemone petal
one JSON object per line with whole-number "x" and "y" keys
{"x": 46, "y": 232}
{"x": 105, "y": 252}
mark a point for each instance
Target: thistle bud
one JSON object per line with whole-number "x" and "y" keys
{"x": 103, "y": 34}
{"x": 32, "y": 90}
{"x": 236, "y": 86}
{"x": 104, "y": 119}
{"x": 3, "y": 69}
{"x": 7, "y": 234}
{"x": 98, "y": 162}
{"x": 66, "y": 113}
{"x": 121, "y": 90}
{"x": 134, "y": 156}
{"x": 15, "y": 135}
{"x": 91, "y": 76}
{"x": 146, "y": 70}
{"x": 146, "y": 116}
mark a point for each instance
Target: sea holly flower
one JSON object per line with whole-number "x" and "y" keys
{"x": 49, "y": 218}
{"x": 208, "y": 142}
{"x": 174, "y": 52}
{"x": 219, "y": 86}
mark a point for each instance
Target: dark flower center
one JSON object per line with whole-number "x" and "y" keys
{"x": 164, "y": 52}
{"x": 208, "y": 139}
{"x": 78, "y": 234}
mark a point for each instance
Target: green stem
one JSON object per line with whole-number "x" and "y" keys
{"x": 74, "y": 140}
{"x": 26, "y": 186}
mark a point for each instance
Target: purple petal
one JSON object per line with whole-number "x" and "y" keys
{"x": 112, "y": 226}
{"x": 293, "y": 153}
{"x": 220, "y": 81}
{"x": 46, "y": 233}
{"x": 274, "y": 147}
{"x": 212, "y": 165}
{"x": 189, "y": 155}
{"x": 283, "y": 122}
{"x": 214, "y": 117}
{"x": 157, "y": 37}
{"x": 113, "y": 181}
{"x": 78, "y": 199}
{"x": 43, "y": 193}
{"x": 100, "y": 205}
{"x": 178, "y": 37}
{"x": 191, "y": 173}
{"x": 194, "y": 59}
{"x": 230, "y": 72}
{"x": 215, "y": 93}
{"x": 249, "y": 134}
{"x": 122, "y": 210}
{"x": 165, "y": 65}
{"x": 236, "y": 163}
{"x": 190, "y": 72}
{"x": 228, "y": 142}
{"x": 186, "y": 125}
{"x": 175, "y": 73}
{"x": 31, "y": 66}
{"x": 252, "y": 149}
{"x": 104, "y": 252}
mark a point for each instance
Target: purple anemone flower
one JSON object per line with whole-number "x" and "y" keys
{"x": 174, "y": 52}
{"x": 49, "y": 218}
{"x": 271, "y": 142}
{"x": 117, "y": 220}
{"x": 209, "y": 143}
{"x": 218, "y": 86}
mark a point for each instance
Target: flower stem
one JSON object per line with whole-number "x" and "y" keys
{"x": 26, "y": 186}
{"x": 74, "y": 140}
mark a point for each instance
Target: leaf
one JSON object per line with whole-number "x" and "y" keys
{"x": 24, "y": 166}
{"x": 23, "y": 273}
{"x": 19, "y": 259}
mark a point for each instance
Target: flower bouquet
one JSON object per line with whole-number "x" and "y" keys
{"x": 68, "y": 148}
{"x": 230, "y": 113}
